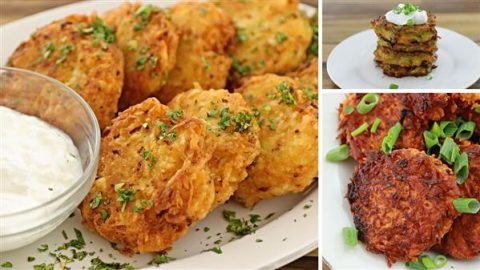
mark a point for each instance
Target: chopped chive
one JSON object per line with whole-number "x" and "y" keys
{"x": 350, "y": 236}
{"x": 338, "y": 154}
{"x": 466, "y": 205}
{"x": 465, "y": 131}
{"x": 375, "y": 125}
{"x": 367, "y": 103}
{"x": 461, "y": 168}
{"x": 359, "y": 130}
{"x": 391, "y": 138}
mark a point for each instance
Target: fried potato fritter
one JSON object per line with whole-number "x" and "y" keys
{"x": 153, "y": 182}
{"x": 463, "y": 241}
{"x": 288, "y": 161}
{"x": 430, "y": 106}
{"x": 388, "y": 56}
{"x": 149, "y": 42}
{"x": 201, "y": 55}
{"x": 468, "y": 104}
{"x": 235, "y": 135}
{"x": 399, "y": 34}
{"x": 72, "y": 51}
{"x": 402, "y": 203}
{"x": 272, "y": 36}
{"x": 389, "y": 110}
{"x": 306, "y": 78}
{"x": 399, "y": 71}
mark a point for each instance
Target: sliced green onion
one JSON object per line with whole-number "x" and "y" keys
{"x": 350, "y": 236}
{"x": 477, "y": 109}
{"x": 436, "y": 130}
{"x": 375, "y": 125}
{"x": 359, "y": 130}
{"x": 393, "y": 86}
{"x": 466, "y": 205}
{"x": 431, "y": 140}
{"x": 449, "y": 151}
{"x": 389, "y": 141}
{"x": 348, "y": 109}
{"x": 459, "y": 121}
{"x": 448, "y": 128}
{"x": 437, "y": 262}
{"x": 465, "y": 131}
{"x": 461, "y": 168}
{"x": 415, "y": 266}
{"x": 440, "y": 261}
{"x": 367, "y": 103}
{"x": 338, "y": 154}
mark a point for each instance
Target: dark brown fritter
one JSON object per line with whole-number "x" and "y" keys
{"x": 463, "y": 241}
{"x": 399, "y": 72}
{"x": 467, "y": 104}
{"x": 405, "y": 34}
{"x": 430, "y": 106}
{"x": 428, "y": 46}
{"x": 402, "y": 203}
{"x": 389, "y": 110}
{"x": 388, "y": 56}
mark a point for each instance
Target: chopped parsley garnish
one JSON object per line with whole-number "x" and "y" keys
{"x": 280, "y": 37}
{"x": 137, "y": 209}
{"x": 313, "y": 48}
{"x": 224, "y": 122}
{"x": 104, "y": 214}
{"x": 65, "y": 49}
{"x": 98, "y": 264}
{"x": 216, "y": 249}
{"x": 393, "y": 86}
{"x": 143, "y": 13}
{"x": 161, "y": 259}
{"x": 43, "y": 248}
{"x": 142, "y": 60}
{"x": 241, "y": 35}
{"x": 175, "y": 115}
{"x": 44, "y": 266}
{"x": 206, "y": 229}
{"x": 205, "y": 63}
{"x": 30, "y": 259}
{"x": 213, "y": 112}
{"x": 273, "y": 125}
{"x": 152, "y": 160}
{"x": 411, "y": 22}
{"x": 47, "y": 50}
{"x": 79, "y": 255}
{"x": 7, "y": 265}
{"x": 132, "y": 45}
{"x": 269, "y": 215}
{"x": 165, "y": 134}
{"x": 243, "y": 121}
{"x": 259, "y": 240}
{"x": 78, "y": 243}
{"x": 406, "y": 9}
{"x": 64, "y": 235}
{"x": 100, "y": 31}
{"x": 286, "y": 96}
{"x": 95, "y": 202}
{"x": 242, "y": 70}
{"x": 312, "y": 96}
{"x": 307, "y": 206}
{"x": 240, "y": 227}
{"x": 124, "y": 195}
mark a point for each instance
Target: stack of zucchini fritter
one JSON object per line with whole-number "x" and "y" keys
{"x": 407, "y": 50}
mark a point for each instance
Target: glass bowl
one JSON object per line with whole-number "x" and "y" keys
{"x": 55, "y": 103}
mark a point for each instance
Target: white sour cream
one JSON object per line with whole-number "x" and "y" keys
{"x": 37, "y": 161}
{"x": 417, "y": 17}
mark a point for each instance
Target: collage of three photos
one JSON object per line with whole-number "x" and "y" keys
{"x": 240, "y": 134}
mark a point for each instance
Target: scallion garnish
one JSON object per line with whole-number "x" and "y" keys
{"x": 350, "y": 236}
{"x": 466, "y": 205}
{"x": 367, "y": 103}
{"x": 437, "y": 262}
{"x": 415, "y": 266}
{"x": 393, "y": 86}
{"x": 437, "y": 131}
{"x": 431, "y": 140}
{"x": 477, "y": 109}
{"x": 348, "y": 109}
{"x": 461, "y": 168}
{"x": 448, "y": 128}
{"x": 375, "y": 125}
{"x": 389, "y": 141}
{"x": 359, "y": 130}
{"x": 338, "y": 154}
{"x": 465, "y": 131}
{"x": 449, "y": 151}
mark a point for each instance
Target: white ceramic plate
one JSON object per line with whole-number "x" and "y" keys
{"x": 350, "y": 65}
{"x": 288, "y": 235}
{"x": 336, "y": 209}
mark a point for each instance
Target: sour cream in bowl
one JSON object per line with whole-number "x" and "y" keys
{"x": 49, "y": 146}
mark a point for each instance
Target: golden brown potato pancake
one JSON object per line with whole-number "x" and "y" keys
{"x": 272, "y": 36}
{"x": 201, "y": 55}
{"x": 399, "y": 34}
{"x": 78, "y": 51}
{"x": 235, "y": 133}
{"x": 153, "y": 182}
{"x": 306, "y": 78}
{"x": 149, "y": 42}
{"x": 288, "y": 135}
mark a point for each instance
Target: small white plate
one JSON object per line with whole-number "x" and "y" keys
{"x": 350, "y": 65}
{"x": 289, "y": 234}
{"x": 336, "y": 209}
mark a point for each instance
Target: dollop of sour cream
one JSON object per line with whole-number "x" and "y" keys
{"x": 37, "y": 161}
{"x": 407, "y": 14}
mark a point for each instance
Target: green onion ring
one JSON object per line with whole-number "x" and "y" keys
{"x": 440, "y": 261}
{"x": 431, "y": 140}
{"x": 477, "y": 109}
{"x": 461, "y": 168}
{"x": 350, "y": 236}
{"x": 375, "y": 125}
{"x": 448, "y": 128}
{"x": 367, "y": 103}
{"x": 359, "y": 130}
{"x": 437, "y": 130}
{"x": 449, "y": 151}
{"x": 466, "y": 205}
{"x": 348, "y": 109}
{"x": 338, "y": 154}
{"x": 465, "y": 131}
{"x": 389, "y": 141}
{"x": 415, "y": 266}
